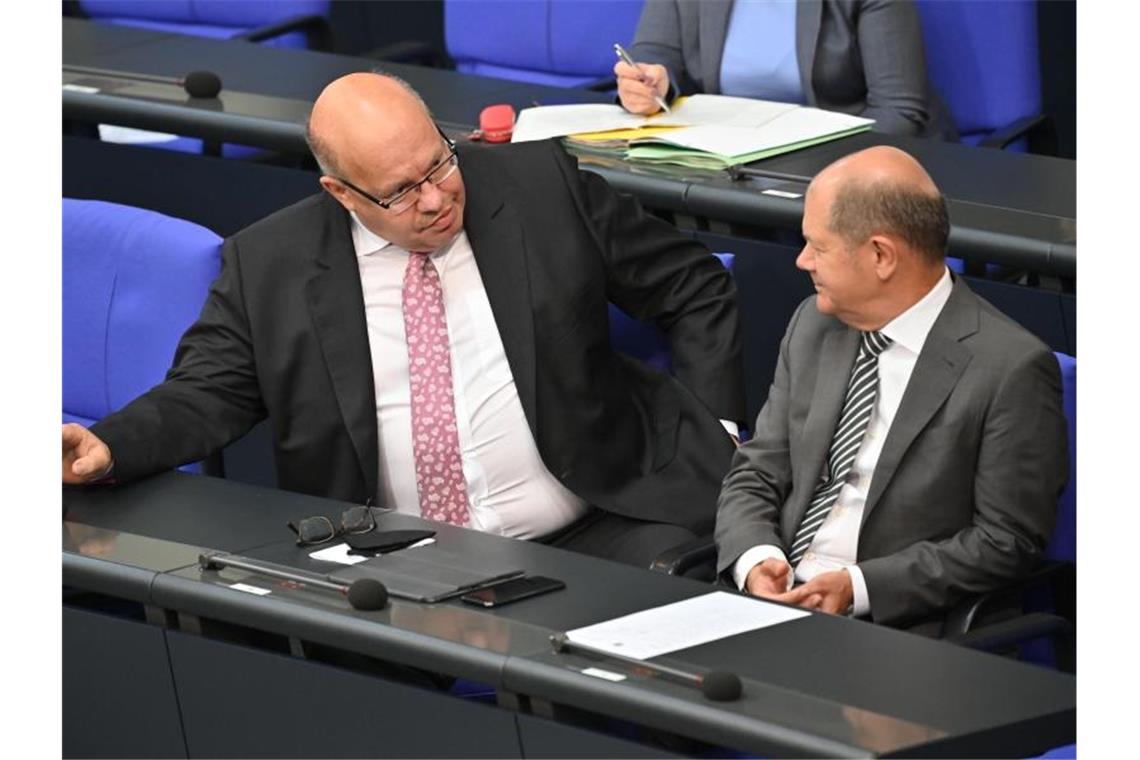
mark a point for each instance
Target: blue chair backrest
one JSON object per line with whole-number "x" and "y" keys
{"x": 1063, "y": 545}
{"x": 982, "y": 58}
{"x": 563, "y": 43}
{"x": 644, "y": 340}
{"x": 219, "y": 19}
{"x": 133, "y": 281}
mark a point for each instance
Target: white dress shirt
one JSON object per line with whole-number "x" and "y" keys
{"x": 511, "y": 493}
{"x": 836, "y": 544}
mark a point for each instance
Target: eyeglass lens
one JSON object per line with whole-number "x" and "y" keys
{"x": 357, "y": 520}
{"x": 436, "y": 177}
{"x": 315, "y": 530}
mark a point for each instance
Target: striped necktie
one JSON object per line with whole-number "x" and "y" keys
{"x": 862, "y": 389}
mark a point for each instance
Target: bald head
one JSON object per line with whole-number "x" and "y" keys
{"x": 359, "y": 115}
{"x": 883, "y": 190}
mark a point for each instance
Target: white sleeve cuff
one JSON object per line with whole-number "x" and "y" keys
{"x": 861, "y": 606}
{"x": 732, "y": 428}
{"x": 754, "y": 557}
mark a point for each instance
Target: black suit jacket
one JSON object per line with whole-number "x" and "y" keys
{"x": 283, "y": 334}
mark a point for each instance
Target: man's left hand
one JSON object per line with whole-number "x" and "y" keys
{"x": 828, "y": 592}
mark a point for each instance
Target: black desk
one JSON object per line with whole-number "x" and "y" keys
{"x": 1010, "y": 209}
{"x": 241, "y": 664}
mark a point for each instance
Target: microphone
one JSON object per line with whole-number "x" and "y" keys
{"x": 198, "y": 84}
{"x": 365, "y": 594}
{"x": 717, "y": 685}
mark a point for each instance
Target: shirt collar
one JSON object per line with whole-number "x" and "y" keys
{"x": 365, "y": 241}
{"x": 910, "y": 328}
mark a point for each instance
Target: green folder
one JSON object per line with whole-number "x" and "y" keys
{"x": 655, "y": 150}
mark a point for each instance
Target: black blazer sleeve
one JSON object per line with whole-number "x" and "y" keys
{"x": 210, "y": 396}
{"x": 655, "y": 274}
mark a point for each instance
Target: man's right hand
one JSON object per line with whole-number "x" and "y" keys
{"x": 768, "y": 579}
{"x": 85, "y": 457}
{"x": 637, "y": 86}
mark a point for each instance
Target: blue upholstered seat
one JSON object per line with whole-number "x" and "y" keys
{"x": 983, "y": 59}
{"x": 562, "y": 43}
{"x": 275, "y": 23}
{"x": 218, "y": 19}
{"x": 133, "y": 281}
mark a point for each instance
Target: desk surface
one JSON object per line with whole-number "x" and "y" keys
{"x": 822, "y": 685}
{"x": 1013, "y": 209}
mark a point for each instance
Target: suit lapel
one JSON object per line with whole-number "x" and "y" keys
{"x": 496, "y": 236}
{"x": 836, "y": 357}
{"x": 937, "y": 371}
{"x": 808, "y": 18}
{"x": 714, "y": 16}
{"x": 336, "y": 304}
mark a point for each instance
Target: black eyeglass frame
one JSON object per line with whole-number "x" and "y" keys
{"x": 452, "y": 156}
{"x": 335, "y": 531}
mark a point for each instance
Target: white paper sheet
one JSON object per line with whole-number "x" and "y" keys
{"x": 542, "y": 122}
{"x": 681, "y": 625}
{"x": 729, "y": 111}
{"x": 718, "y": 124}
{"x": 339, "y": 553}
{"x": 792, "y": 126}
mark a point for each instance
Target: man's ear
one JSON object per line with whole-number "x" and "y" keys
{"x": 337, "y": 191}
{"x": 886, "y": 255}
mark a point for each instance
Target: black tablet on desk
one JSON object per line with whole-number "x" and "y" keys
{"x": 427, "y": 574}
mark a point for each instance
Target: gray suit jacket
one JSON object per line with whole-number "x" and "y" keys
{"x": 861, "y": 57}
{"x": 963, "y": 498}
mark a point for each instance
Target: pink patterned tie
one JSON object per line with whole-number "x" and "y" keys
{"x": 435, "y": 437}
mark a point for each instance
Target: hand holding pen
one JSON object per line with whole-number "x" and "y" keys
{"x": 641, "y": 86}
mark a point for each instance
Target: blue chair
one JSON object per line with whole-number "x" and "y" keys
{"x": 643, "y": 340}
{"x": 983, "y": 59}
{"x": 1045, "y": 631}
{"x": 561, "y": 43}
{"x": 277, "y": 23}
{"x": 133, "y": 281}
{"x": 1063, "y": 546}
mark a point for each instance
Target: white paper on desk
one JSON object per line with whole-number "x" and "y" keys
{"x": 542, "y": 122}
{"x": 728, "y": 111}
{"x": 806, "y": 123}
{"x": 684, "y": 624}
{"x": 339, "y": 553}
{"x": 793, "y": 126}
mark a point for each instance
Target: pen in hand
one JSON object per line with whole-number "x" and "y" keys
{"x": 629, "y": 61}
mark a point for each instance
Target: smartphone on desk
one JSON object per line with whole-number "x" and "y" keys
{"x": 512, "y": 591}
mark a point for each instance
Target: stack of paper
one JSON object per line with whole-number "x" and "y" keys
{"x": 703, "y": 131}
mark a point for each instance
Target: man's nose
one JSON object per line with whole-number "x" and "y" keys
{"x": 431, "y": 197}
{"x": 804, "y": 260}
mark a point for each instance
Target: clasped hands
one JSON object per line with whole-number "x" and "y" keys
{"x": 827, "y": 592}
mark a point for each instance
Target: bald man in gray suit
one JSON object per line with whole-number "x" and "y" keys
{"x": 912, "y": 447}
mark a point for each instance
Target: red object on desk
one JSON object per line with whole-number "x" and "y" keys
{"x": 497, "y": 122}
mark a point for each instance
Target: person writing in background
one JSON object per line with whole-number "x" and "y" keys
{"x": 861, "y": 57}
{"x": 912, "y": 448}
{"x": 431, "y": 334}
